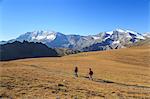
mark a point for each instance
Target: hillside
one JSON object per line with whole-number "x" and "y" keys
{"x": 20, "y": 50}
{"x": 66, "y": 51}
{"x": 118, "y": 74}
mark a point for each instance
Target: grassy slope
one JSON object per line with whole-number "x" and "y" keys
{"x": 123, "y": 73}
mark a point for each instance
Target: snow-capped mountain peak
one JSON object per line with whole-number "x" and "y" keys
{"x": 128, "y": 33}
{"x": 38, "y": 35}
{"x": 110, "y": 32}
{"x": 45, "y": 35}
{"x": 120, "y": 30}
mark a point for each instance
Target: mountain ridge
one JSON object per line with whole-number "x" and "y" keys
{"x": 21, "y": 50}
{"x": 117, "y": 38}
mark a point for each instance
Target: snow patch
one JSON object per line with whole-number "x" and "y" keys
{"x": 40, "y": 37}
{"x": 120, "y": 30}
{"x": 140, "y": 37}
{"x": 110, "y": 32}
{"x": 51, "y": 37}
{"x": 146, "y": 35}
{"x": 128, "y": 31}
{"x": 96, "y": 38}
{"x": 116, "y": 42}
{"x": 137, "y": 35}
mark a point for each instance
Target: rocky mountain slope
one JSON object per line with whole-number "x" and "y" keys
{"x": 115, "y": 39}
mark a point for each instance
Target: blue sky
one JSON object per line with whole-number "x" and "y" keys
{"x": 84, "y": 17}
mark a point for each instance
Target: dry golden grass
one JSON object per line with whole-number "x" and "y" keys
{"x": 118, "y": 74}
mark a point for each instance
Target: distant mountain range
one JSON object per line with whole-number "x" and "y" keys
{"x": 115, "y": 39}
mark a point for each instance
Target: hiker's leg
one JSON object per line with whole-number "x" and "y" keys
{"x": 89, "y": 77}
{"x": 76, "y": 75}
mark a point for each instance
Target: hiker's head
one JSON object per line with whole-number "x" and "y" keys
{"x": 90, "y": 69}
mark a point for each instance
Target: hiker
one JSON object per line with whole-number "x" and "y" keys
{"x": 76, "y": 71}
{"x": 90, "y": 74}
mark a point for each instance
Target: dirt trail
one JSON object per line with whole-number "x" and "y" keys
{"x": 94, "y": 79}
